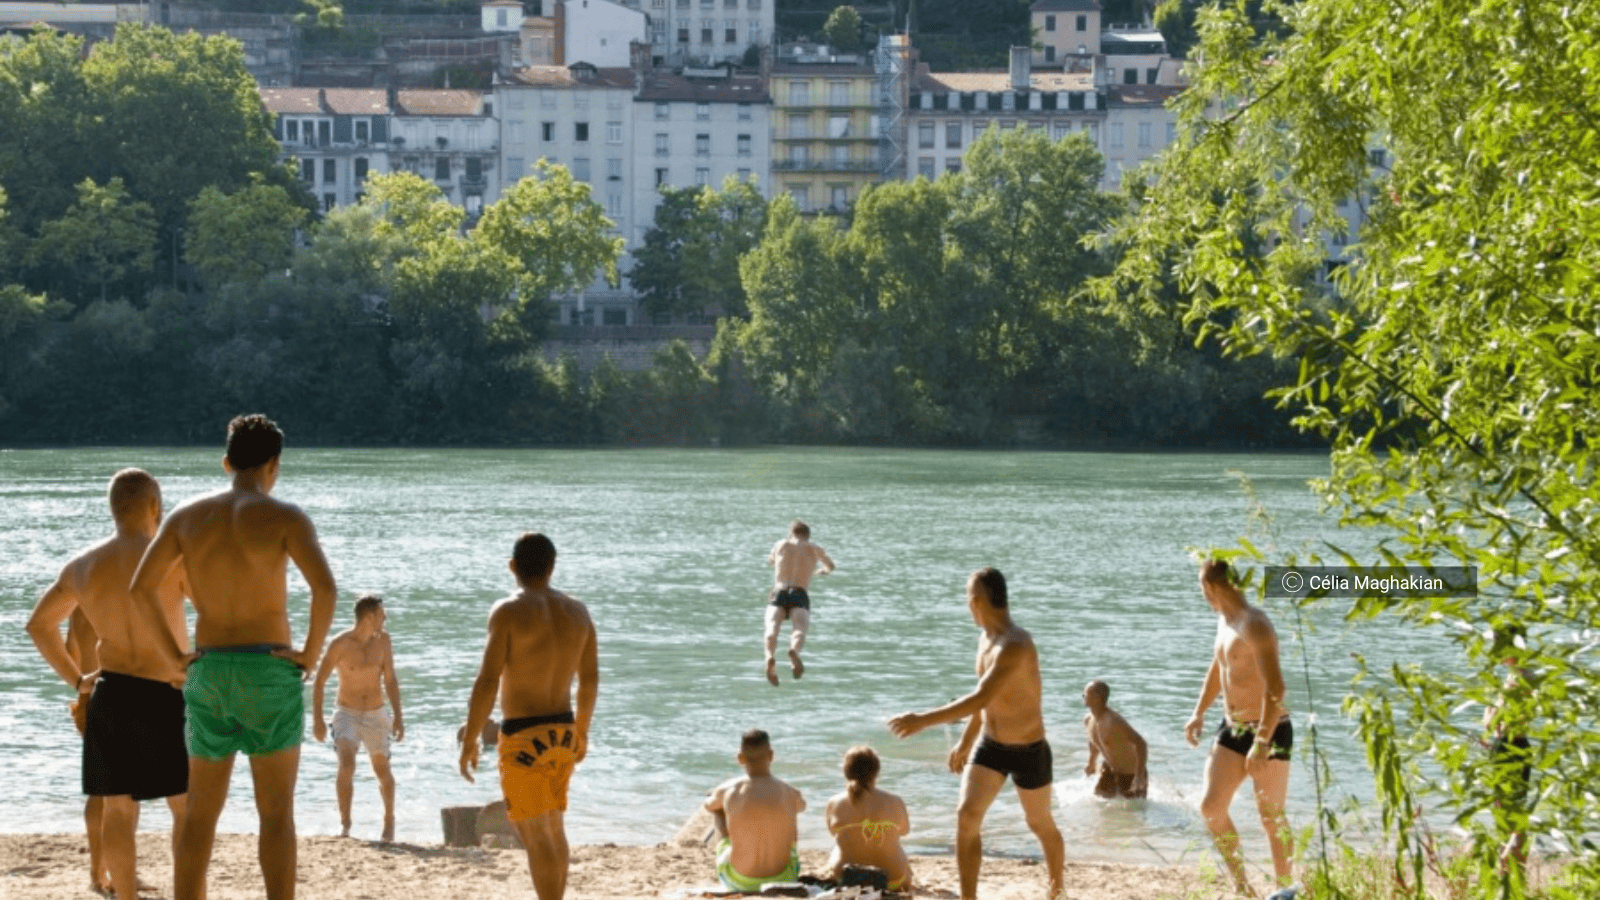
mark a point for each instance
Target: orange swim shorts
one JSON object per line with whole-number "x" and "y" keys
{"x": 536, "y": 762}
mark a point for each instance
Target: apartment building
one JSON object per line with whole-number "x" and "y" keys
{"x": 335, "y": 137}
{"x": 705, "y": 32}
{"x": 582, "y": 117}
{"x": 1064, "y": 30}
{"x": 827, "y": 127}
{"x": 450, "y": 137}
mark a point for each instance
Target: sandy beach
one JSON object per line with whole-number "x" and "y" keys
{"x": 54, "y": 866}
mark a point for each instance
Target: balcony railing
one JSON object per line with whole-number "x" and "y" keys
{"x": 824, "y": 165}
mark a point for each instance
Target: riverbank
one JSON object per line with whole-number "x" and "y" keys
{"x": 53, "y": 866}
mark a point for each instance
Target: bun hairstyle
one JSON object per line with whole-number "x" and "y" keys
{"x": 860, "y": 771}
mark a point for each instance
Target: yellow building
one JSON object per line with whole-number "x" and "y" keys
{"x": 826, "y": 119}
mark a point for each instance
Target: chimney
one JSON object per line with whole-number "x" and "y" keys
{"x": 1021, "y": 68}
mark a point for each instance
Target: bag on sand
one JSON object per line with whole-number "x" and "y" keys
{"x": 863, "y": 876}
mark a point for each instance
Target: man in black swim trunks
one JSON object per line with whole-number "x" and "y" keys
{"x": 1256, "y": 736}
{"x": 793, "y": 560}
{"x": 1006, "y": 709}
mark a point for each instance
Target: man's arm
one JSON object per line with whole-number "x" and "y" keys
{"x": 319, "y": 726}
{"x": 56, "y": 604}
{"x": 827, "y": 561}
{"x": 588, "y": 687}
{"x": 301, "y": 543}
{"x": 1094, "y": 746}
{"x": 963, "y": 748}
{"x": 391, "y": 684}
{"x": 1208, "y": 694}
{"x": 719, "y": 812}
{"x": 1264, "y": 641}
{"x": 1012, "y": 657}
{"x": 163, "y": 553}
{"x": 484, "y": 689}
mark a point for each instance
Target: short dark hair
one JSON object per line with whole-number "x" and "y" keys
{"x": 128, "y": 487}
{"x": 1216, "y": 571}
{"x": 367, "y": 604}
{"x": 800, "y": 529}
{"x": 754, "y": 741}
{"x": 534, "y": 555}
{"x": 252, "y": 441}
{"x": 994, "y": 585}
{"x": 1098, "y": 688}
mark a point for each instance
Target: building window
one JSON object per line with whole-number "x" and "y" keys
{"x": 324, "y": 133}
{"x": 363, "y": 131}
{"x": 613, "y": 132}
{"x": 663, "y": 111}
{"x": 661, "y": 177}
{"x": 1049, "y": 23}
{"x": 730, "y": 34}
{"x": 580, "y": 131}
{"x": 474, "y": 169}
{"x": 1144, "y": 134}
{"x": 580, "y": 168}
{"x": 611, "y": 316}
{"x": 702, "y": 111}
{"x": 308, "y": 170}
{"x": 953, "y": 166}
{"x": 799, "y": 126}
{"x": 924, "y": 134}
{"x": 702, "y": 177}
{"x": 744, "y": 145}
{"x": 361, "y": 168}
{"x": 1151, "y": 75}
{"x": 839, "y": 196}
{"x": 1114, "y": 134}
{"x": 1130, "y": 75}
{"x": 705, "y": 35}
{"x": 802, "y": 196}
{"x": 744, "y": 112}
{"x": 547, "y": 130}
{"x": 683, "y": 35}
{"x": 925, "y": 167}
{"x": 330, "y": 172}
{"x": 838, "y": 126}
{"x": 661, "y": 144}
{"x": 799, "y": 93}
{"x": 702, "y": 145}
{"x": 1083, "y": 23}
{"x": 441, "y": 169}
{"x": 841, "y": 156}
{"x": 952, "y": 135}
{"x": 799, "y": 156}
{"x": 839, "y": 93}
{"x": 329, "y": 201}
{"x": 979, "y": 126}
{"x": 291, "y": 131}
{"x": 613, "y": 169}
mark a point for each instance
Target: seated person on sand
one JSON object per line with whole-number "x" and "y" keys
{"x": 756, "y": 818}
{"x": 867, "y": 823}
{"x": 1116, "y": 752}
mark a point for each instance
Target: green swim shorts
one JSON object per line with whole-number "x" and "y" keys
{"x": 736, "y": 882}
{"x": 242, "y": 699}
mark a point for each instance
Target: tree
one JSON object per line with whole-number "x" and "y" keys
{"x": 842, "y": 31}
{"x": 1452, "y": 361}
{"x": 689, "y": 264}
{"x": 101, "y": 237}
{"x": 242, "y": 236}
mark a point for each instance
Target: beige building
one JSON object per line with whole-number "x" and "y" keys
{"x": 826, "y": 127}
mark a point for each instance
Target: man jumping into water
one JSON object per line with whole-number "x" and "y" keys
{"x": 243, "y": 690}
{"x": 1256, "y": 735}
{"x": 793, "y": 560}
{"x": 1006, "y": 709}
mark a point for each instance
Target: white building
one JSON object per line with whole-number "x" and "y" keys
{"x": 581, "y": 117}
{"x": 450, "y": 137}
{"x": 335, "y": 137}
{"x": 703, "y": 32}
{"x": 597, "y": 32}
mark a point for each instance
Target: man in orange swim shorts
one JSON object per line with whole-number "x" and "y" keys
{"x": 540, "y": 642}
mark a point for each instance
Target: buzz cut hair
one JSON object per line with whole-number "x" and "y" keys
{"x": 755, "y": 741}
{"x": 534, "y": 555}
{"x": 253, "y": 440}
{"x": 994, "y": 586}
{"x": 127, "y": 488}
{"x": 367, "y": 604}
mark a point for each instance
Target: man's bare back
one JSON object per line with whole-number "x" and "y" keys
{"x": 761, "y": 811}
{"x": 794, "y": 560}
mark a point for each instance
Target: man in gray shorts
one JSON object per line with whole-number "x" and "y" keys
{"x": 364, "y": 659}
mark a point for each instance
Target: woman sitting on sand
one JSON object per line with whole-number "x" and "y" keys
{"x": 867, "y": 823}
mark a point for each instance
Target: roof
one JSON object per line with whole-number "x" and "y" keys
{"x": 1141, "y": 94}
{"x": 1000, "y": 81}
{"x": 564, "y": 77}
{"x": 292, "y": 100}
{"x": 438, "y": 103}
{"x": 1064, "y": 6}
{"x": 356, "y": 101}
{"x": 666, "y": 86}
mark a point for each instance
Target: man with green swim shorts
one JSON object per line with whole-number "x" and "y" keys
{"x": 756, "y": 818}
{"x": 243, "y": 683}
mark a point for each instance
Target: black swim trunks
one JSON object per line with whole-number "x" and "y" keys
{"x": 133, "y": 742}
{"x": 1238, "y": 738}
{"x": 790, "y": 598}
{"x": 1029, "y": 765}
{"x": 1514, "y": 757}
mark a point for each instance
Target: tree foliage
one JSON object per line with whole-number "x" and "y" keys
{"x": 689, "y": 264}
{"x": 1452, "y": 361}
{"x": 842, "y": 30}
{"x": 242, "y": 236}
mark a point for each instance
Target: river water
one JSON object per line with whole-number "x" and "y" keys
{"x": 667, "y": 548}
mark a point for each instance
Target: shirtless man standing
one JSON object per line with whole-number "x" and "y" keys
{"x": 244, "y": 689}
{"x": 1256, "y": 735}
{"x": 793, "y": 560}
{"x": 364, "y": 659}
{"x": 540, "y": 641}
{"x": 1116, "y": 752}
{"x": 133, "y": 730}
{"x": 1006, "y": 709}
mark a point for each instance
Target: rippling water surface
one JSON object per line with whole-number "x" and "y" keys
{"x": 667, "y": 548}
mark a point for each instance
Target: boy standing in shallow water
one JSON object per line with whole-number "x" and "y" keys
{"x": 793, "y": 560}
{"x": 364, "y": 659}
{"x": 755, "y": 817}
